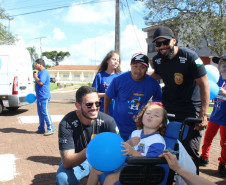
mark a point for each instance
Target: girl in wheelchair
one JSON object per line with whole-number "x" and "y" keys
{"x": 147, "y": 140}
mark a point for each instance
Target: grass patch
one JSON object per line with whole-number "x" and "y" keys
{"x": 53, "y": 86}
{"x": 210, "y": 109}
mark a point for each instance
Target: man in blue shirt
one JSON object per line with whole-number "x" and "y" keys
{"x": 42, "y": 89}
{"x": 131, "y": 91}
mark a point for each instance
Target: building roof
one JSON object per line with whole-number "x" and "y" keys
{"x": 74, "y": 68}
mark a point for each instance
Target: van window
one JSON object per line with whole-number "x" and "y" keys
{"x": 4, "y": 64}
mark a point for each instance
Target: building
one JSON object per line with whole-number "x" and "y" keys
{"x": 73, "y": 74}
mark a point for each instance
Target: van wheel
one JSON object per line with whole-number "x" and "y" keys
{"x": 1, "y": 107}
{"x": 12, "y": 108}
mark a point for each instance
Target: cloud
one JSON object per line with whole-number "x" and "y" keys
{"x": 91, "y": 51}
{"x": 58, "y": 34}
{"x": 100, "y": 13}
{"x": 19, "y": 26}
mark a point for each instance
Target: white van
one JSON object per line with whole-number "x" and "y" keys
{"x": 16, "y": 77}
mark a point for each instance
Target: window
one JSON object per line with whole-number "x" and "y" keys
{"x": 77, "y": 75}
{"x": 65, "y": 75}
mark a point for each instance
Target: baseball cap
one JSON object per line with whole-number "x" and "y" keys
{"x": 216, "y": 59}
{"x": 140, "y": 58}
{"x": 163, "y": 32}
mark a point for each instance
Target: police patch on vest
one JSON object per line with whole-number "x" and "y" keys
{"x": 178, "y": 78}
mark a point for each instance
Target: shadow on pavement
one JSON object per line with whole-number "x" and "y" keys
{"x": 13, "y": 113}
{"x": 15, "y": 130}
{"x": 45, "y": 159}
{"x": 214, "y": 173}
{"x": 44, "y": 179}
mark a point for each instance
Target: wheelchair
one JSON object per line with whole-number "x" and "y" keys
{"x": 153, "y": 171}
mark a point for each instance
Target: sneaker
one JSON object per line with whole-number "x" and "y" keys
{"x": 222, "y": 170}
{"x": 39, "y": 132}
{"x": 203, "y": 162}
{"x": 48, "y": 133}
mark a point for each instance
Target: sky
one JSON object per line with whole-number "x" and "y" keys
{"x": 85, "y": 28}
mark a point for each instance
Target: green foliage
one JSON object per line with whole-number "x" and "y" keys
{"x": 47, "y": 66}
{"x": 33, "y": 55}
{"x": 55, "y": 56}
{"x": 6, "y": 37}
{"x": 197, "y": 21}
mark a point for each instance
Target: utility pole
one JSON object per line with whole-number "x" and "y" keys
{"x": 117, "y": 26}
{"x": 40, "y": 38}
{"x": 10, "y": 19}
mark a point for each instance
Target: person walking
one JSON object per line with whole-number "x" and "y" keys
{"x": 42, "y": 89}
{"x": 186, "y": 92}
{"x": 108, "y": 70}
{"x": 217, "y": 121}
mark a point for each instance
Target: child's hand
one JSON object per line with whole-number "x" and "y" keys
{"x": 135, "y": 141}
{"x": 128, "y": 149}
{"x": 222, "y": 91}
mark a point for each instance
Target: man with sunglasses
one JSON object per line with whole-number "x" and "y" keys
{"x": 76, "y": 130}
{"x": 186, "y": 92}
{"x": 131, "y": 91}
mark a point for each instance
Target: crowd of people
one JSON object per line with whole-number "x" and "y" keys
{"x": 134, "y": 103}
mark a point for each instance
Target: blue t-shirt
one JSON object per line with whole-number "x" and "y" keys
{"x": 130, "y": 97}
{"x": 43, "y": 91}
{"x": 218, "y": 116}
{"x": 101, "y": 83}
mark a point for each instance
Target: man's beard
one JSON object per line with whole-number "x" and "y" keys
{"x": 85, "y": 115}
{"x": 167, "y": 56}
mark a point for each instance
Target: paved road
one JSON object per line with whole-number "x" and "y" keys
{"x": 38, "y": 155}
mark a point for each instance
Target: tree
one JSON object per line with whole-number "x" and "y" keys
{"x": 33, "y": 55}
{"x": 55, "y": 56}
{"x": 5, "y": 36}
{"x": 192, "y": 21}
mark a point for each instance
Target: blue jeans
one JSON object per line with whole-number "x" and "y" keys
{"x": 44, "y": 116}
{"x": 72, "y": 176}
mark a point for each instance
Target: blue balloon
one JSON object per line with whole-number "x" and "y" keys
{"x": 30, "y": 98}
{"x": 212, "y": 73}
{"x": 104, "y": 152}
{"x": 214, "y": 89}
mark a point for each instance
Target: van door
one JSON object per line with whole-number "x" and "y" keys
{"x": 4, "y": 75}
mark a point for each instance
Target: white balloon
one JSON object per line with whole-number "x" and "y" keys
{"x": 212, "y": 73}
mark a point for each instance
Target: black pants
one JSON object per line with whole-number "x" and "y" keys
{"x": 193, "y": 139}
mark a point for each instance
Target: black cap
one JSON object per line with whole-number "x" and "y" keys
{"x": 140, "y": 58}
{"x": 163, "y": 32}
{"x": 216, "y": 59}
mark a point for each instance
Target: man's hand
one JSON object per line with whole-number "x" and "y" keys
{"x": 171, "y": 160}
{"x": 204, "y": 123}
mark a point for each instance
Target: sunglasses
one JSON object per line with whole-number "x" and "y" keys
{"x": 89, "y": 105}
{"x": 165, "y": 42}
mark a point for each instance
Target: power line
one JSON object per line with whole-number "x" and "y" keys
{"x": 60, "y": 7}
{"x": 133, "y": 25}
